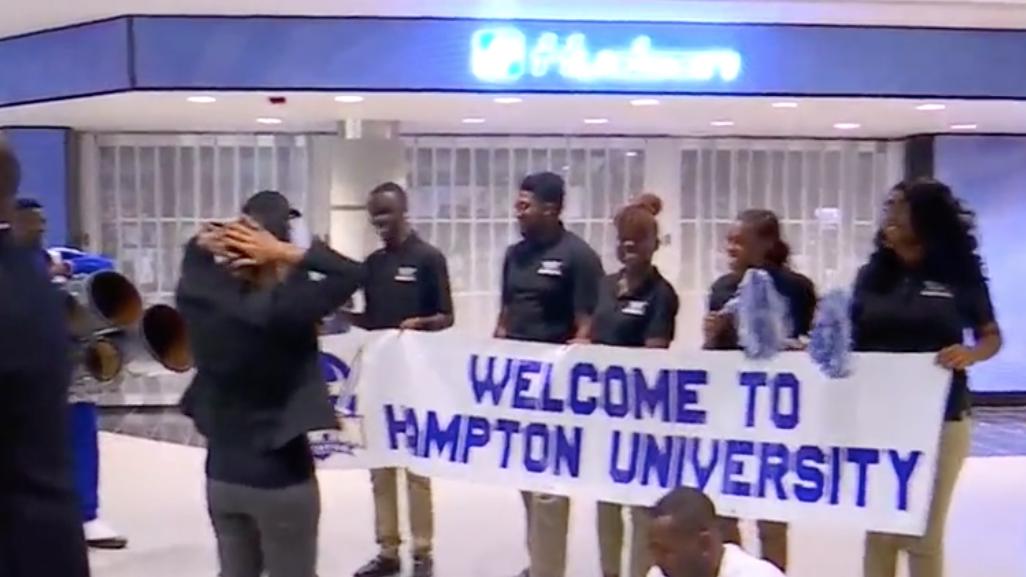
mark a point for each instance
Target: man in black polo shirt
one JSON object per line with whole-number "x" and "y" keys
{"x": 407, "y": 287}
{"x": 550, "y": 283}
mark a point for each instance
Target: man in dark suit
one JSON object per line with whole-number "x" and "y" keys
{"x": 252, "y": 301}
{"x": 40, "y": 517}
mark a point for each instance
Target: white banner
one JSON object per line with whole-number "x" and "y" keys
{"x": 771, "y": 440}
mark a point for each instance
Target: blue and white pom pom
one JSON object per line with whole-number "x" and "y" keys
{"x": 830, "y": 339}
{"x": 760, "y": 315}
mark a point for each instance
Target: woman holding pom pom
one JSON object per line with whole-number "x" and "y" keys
{"x": 922, "y": 287}
{"x": 755, "y": 243}
{"x": 637, "y": 307}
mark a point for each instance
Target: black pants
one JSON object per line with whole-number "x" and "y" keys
{"x": 40, "y": 515}
{"x": 272, "y": 530}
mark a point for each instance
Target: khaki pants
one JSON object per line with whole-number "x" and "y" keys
{"x": 385, "y": 485}
{"x": 610, "y": 538}
{"x": 548, "y": 522}
{"x": 772, "y": 539}
{"x": 926, "y": 553}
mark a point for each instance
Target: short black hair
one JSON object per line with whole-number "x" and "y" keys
{"x": 27, "y": 204}
{"x": 10, "y": 172}
{"x": 547, "y": 187}
{"x": 390, "y": 187}
{"x": 689, "y": 509}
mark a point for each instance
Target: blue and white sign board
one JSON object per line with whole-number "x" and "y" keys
{"x": 768, "y": 440}
{"x": 509, "y": 54}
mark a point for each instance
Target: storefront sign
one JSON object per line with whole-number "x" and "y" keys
{"x": 507, "y": 54}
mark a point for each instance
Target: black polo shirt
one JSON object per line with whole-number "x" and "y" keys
{"x": 648, "y": 311}
{"x": 796, "y": 288}
{"x": 546, "y": 285}
{"x": 917, "y": 315}
{"x": 410, "y": 280}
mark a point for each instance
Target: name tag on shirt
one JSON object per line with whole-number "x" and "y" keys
{"x": 551, "y": 268}
{"x": 635, "y": 308}
{"x": 935, "y": 289}
{"x": 406, "y": 274}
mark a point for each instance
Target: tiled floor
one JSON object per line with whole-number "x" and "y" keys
{"x": 153, "y": 491}
{"x": 999, "y": 432}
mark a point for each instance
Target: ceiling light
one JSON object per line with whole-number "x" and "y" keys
{"x": 962, "y": 127}
{"x": 721, "y": 123}
{"x": 930, "y": 107}
{"x": 785, "y": 105}
{"x": 644, "y": 102}
{"x": 631, "y": 153}
{"x": 473, "y": 121}
{"x": 349, "y": 99}
{"x": 508, "y": 100}
{"x": 596, "y": 120}
{"x": 201, "y": 99}
{"x": 269, "y": 120}
{"x": 847, "y": 125}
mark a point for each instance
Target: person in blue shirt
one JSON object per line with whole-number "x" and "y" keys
{"x": 62, "y": 264}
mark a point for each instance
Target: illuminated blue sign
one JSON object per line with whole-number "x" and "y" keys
{"x": 507, "y": 55}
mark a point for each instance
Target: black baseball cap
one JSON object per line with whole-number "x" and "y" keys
{"x": 545, "y": 186}
{"x": 272, "y": 211}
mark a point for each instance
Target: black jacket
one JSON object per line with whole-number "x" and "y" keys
{"x": 258, "y": 379}
{"x": 40, "y": 515}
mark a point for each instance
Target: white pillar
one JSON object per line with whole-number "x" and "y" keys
{"x": 365, "y": 154}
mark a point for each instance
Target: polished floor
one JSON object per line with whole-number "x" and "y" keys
{"x": 152, "y": 491}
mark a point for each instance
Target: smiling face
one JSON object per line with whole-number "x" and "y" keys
{"x": 637, "y": 239}
{"x": 387, "y": 211}
{"x": 897, "y": 221}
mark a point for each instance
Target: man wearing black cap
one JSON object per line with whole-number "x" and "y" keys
{"x": 252, "y": 300}
{"x": 550, "y": 285}
{"x": 40, "y": 524}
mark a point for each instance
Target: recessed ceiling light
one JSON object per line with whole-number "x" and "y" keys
{"x": 269, "y": 120}
{"x": 631, "y": 153}
{"x": 596, "y": 120}
{"x": 962, "y": 127}
{"x": 349, "y": 99}
{"x": 785, "y": 105}
{"x": 473, "y": 120}
{"x": 201, "y": 99}
{"x": 644, "y": 102}
{"x": 930, "y": 107}
{"x": 847, "y": 125}
{"x": 721, "y": 123}
{"x": 508, "y": 100}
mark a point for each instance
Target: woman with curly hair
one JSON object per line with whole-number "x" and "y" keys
{"x": 923, "y": 286}
{"x": 637, "y": 307}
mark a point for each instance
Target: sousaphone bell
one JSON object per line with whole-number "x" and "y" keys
{"x": 114, "y": 331}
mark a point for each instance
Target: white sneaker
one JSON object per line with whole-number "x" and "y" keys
{"x": 99, "y": 535}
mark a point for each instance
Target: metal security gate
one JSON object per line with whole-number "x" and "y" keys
{"x": 827, "y": 194}
{"x": 462, "y": 191}
{"x": 144, "y": 194}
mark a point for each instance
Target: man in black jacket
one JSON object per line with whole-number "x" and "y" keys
{"x": 251, "y": 301}
{"x": 40, "y": 517}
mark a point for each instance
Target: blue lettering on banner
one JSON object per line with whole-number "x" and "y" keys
{"x": 785, "y": 398}
{"x": 350, "y": 435}
{"x": 507, "y": 55}
{"x": 542, "y": 448}
{"x": 737, "y": 467}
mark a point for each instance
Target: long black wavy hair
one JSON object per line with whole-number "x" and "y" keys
{"x": 947, "y": 231}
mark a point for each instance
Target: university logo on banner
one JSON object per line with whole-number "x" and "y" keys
{"x": 342, "y": 395}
